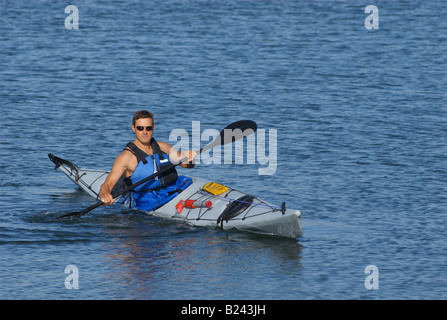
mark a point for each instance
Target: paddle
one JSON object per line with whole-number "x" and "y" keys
{"x": 234, "y": 131}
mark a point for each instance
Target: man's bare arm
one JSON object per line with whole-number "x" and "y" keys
{"x": 176, "y": 156}
{"x": 120, "y": 165}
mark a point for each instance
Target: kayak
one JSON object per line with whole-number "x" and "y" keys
{"x": 204, "y": 203}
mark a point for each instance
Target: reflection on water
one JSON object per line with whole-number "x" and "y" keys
{"x": 187, "y": 262}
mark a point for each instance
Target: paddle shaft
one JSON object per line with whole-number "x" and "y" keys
{"x": 241, "y": 126}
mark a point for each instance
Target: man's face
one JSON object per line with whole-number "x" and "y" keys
{"x": 144, "y": 135}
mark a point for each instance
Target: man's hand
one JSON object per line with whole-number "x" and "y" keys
{"x": 190, "y": 154}
{"x": 106, "y": 198}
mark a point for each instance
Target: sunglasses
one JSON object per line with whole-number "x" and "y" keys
{"x": 141, "y": 128}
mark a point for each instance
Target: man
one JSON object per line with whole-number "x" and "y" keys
{"x": 140, "y": 159}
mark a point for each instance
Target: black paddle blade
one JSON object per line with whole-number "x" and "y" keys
{"x": 72, "y": 214}
{"x": 242, "y": 125}
{"x": 237, "y": 130}
{"x": 234, "y": 131}
{"x": 81, "y": 213}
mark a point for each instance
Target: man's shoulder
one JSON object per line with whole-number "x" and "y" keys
{"x": 165, "y": 147}
{"x": 125, "y": 156}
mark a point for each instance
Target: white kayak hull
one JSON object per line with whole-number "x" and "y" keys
{"x": 258, "y": 216}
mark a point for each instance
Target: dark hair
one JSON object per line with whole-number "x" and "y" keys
{"x": 142, "y": 114}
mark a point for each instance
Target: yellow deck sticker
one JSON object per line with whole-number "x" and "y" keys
{"x": 215, "y": 188}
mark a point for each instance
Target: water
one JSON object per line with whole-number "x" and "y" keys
{"x": 361, "y": 122}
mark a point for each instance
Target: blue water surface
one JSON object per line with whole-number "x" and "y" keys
{"x": 361, "y": 123}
